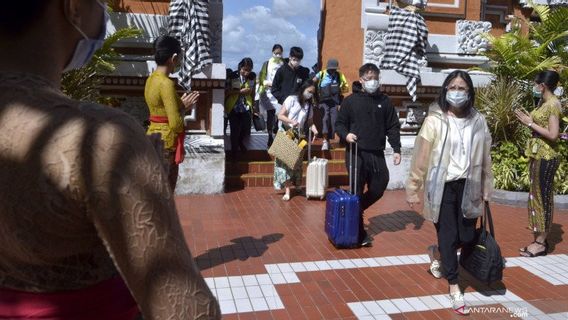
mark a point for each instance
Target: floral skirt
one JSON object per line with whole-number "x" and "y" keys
{"x": 541, "y": 193}
{"x": 283, "y": 173}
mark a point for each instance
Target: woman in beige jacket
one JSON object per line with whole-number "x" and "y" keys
{"x": 452, "y": 165}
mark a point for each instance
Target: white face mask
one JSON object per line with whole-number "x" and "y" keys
{"x": 86, "y": 47}
{"x": 294, "y": 63}
{"x": 457, "y": 98}
{"x": 307, "y": 95}
{"x": 371, "y": 86}
{"x": 277, "y": 55}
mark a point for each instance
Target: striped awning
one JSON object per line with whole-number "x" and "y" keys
{"x": 189, "y": 23}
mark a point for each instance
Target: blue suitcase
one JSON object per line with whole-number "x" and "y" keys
{"x": 342, "y": 214}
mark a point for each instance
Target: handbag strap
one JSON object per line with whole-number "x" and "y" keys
{"x": 487, "y": 218}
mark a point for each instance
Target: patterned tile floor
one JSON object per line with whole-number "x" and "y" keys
{"x": 268, "y": 259}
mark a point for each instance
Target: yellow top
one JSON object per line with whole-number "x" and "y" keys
{"x": 162, "y": 100}
{"x": 539, "y": 147}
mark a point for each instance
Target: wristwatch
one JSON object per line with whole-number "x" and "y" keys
{"x": 530, "y": 124}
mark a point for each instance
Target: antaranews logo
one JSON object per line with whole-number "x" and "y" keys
{"x": 514, "y": 312}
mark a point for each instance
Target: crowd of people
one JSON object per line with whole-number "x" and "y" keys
{"x": 451, "y": 162}
{"x": 89, "y": 228}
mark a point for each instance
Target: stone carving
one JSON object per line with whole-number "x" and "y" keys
{"x": 374, "y": 46}
{"x": 470, "y": 36}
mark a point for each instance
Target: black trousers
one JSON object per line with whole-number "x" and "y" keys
{"x": 239, "y": 123}
{"x": 373, "y": 173}
{"x": 329, "y": 109}
{"x": 454, "y": 231}
{"x": 270, "y": 124}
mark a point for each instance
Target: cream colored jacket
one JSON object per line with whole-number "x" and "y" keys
{"x": 430, "y": 162}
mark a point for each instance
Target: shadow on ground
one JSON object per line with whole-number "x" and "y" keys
{"x": 241, "y": 248}
{"x": 393, "y": 222}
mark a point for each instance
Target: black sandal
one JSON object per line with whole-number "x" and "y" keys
{"x": 529, "y": 254}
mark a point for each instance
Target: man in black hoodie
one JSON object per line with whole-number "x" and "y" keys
{"x": 367, "y": 118}
{"x": 290, "y": 76}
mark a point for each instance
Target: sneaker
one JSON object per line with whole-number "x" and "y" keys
{"x": 436, "y": 269}
{"x": 458, "y": 303}
{"x": 367, "y": 242}
{"x": 325, "y": 145}
{"x": 286, "y": 197}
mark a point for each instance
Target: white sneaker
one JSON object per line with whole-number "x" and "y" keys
{"x": 286, "y": 197}
{"x": 458, "y": 303}
{"x": 436, "y": 269}
{"x": 435, "y": 264}
{"x": 325, "y": 145}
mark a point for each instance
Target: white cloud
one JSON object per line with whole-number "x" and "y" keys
{"x": 253, "y": 31}
{"x": 290, "y": 8}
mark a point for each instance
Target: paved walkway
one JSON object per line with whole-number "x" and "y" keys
{"x": 268, "y": 259}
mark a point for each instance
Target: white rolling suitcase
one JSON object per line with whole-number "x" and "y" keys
{"x": 316, "y": 175}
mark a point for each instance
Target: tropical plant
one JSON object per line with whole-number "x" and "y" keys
{"x": 83, "y": 84}
{"x": 510, "y": 167}
{"x": 497, "y": 102}
{"x": 520, "y": 56}
{"x": 515, "y": 58}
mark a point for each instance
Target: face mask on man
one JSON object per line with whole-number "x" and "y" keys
{"x": 277, "y": 56}
{"x": 457, "y": 98}
{"x": 371, "y": 86}
{"x": 86, "y": 47}
{"x": 294, "y": 63}
{"x": 308, "y": 95}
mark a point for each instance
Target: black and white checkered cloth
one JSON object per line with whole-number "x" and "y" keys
{"x": 189, "y": 23}
{"x": 405, "y": 46}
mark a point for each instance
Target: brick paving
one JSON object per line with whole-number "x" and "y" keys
{"x": 269, "y": 259}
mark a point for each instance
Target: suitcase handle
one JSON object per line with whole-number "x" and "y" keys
{"x": 351, "y": 186}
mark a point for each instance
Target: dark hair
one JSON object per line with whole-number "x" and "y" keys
{"x": 18, "y": 16}
{"x": 444, "y": 105}
{"x": 548, "y": 78}
{"x": 246, "y": 62}
{"x": 368, "y": 67}
{"x": 277, "y": 46}
{"x": 251, "y": 76}
{"x": 300, "y": 93}
{"x": 164, "y": 48}
{"x": 297, "y": 53}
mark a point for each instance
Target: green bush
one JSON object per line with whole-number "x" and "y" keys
{"x": 511, "y": 168}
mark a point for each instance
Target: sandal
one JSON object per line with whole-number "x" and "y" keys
{"x": 526, "y": 253}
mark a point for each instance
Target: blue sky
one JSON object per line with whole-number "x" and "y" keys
{"x": 252, "y": 27}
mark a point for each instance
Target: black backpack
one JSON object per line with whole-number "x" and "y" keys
{"x": 483, "y": 260}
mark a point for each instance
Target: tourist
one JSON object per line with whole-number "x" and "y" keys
{"x": 268, "y": 104}
{"x": 88, "y": 224}
{"x": 544, "y": 158}
{"x": 166, "y": 107}
{"x": 332, "y": 85}
{"x": 452, "y": 164}
{"x": 367, "y": 118}
{"x": 239, "y": 104}
{"x": 296, "y": 113}
{"x": 290, "y": 76}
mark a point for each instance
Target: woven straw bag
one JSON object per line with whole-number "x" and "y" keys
{"x": 286, "y": 150}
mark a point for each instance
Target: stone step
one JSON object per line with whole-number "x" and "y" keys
{"x": 265, "y": 180}
{"x": 267, "y": 167}
{"x": 262, "y": 155}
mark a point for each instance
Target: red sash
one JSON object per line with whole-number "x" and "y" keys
{"x": 180, "y": 152}
{"x": 109, "y": 300}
